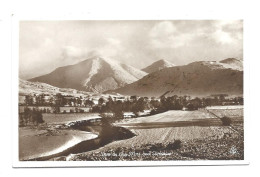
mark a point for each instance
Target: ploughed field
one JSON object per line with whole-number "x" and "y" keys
{"x": 175, "y": 118}
{"x": 177, "y": 135}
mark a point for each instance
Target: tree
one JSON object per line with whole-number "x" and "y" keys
{"x": 79, "y": 101}
{"x": 30, "y": 117}
{"x": 28, "y": 100}
{"x": 51, "y": 100}
{"x": 58, "y": 100}
{"x": 226, "y": 121}
{"x": 37, "y": 117}
{"x": 155, "y": 103}
{"x": 101, "y": 101}
{"x": 89, "y": 103}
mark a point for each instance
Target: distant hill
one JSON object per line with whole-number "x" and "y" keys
{"x": 232, "y": 63}
{"x": 158, "y": 65}
{"x": 93, "y": 75}
{"x": 27, "y": 87}
{"x": 200, "y": 78}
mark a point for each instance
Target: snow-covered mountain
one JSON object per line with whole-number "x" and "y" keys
{"x": 232, "y": 63}
{"x": 158, "y": 65}
{"x": 201, "y": 78}
{"x": 94, "y": 75}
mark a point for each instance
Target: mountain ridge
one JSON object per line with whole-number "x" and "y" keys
{"x": 200, "y": 78}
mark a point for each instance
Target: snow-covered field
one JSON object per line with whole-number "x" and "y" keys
{"x": 170, "y": 134}
{"x": 226, "y": 107}
{"x": 171, "y": 116}
{"x": 66, "y": 118}
{"x": 34, "y": 143}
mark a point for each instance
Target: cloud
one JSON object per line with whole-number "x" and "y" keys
{"x": 72, "y": 54}
{"x": 169, "y": 34}
{"x": 163, "y": 29}
{"x": 166, "y": 35}
{"x": 45, "y": 46}
{"x": 71, "y": 51}
{"x": 228, "y": 32}
{"x": 110, "y": 48}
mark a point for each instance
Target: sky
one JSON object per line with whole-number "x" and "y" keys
{"x": 46, "y": 45}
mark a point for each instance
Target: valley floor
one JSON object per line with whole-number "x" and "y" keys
{"x": 172, "y": 135}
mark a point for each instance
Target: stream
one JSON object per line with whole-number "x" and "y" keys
{"x": 106, "y": 132}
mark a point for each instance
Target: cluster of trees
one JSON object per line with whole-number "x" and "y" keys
{"x": 30, "y": 117}
{"x": 156, "y": 106}
{"x": 56, "y": 100}
{"x": 138, "y": 105}
{"x": 118, "y": 107}
{"x": 60, "y": 100}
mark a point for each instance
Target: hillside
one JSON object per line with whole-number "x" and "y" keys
{"x": 27, "y": 87}
{"x": 200, "y": 78}
{"x": 158, "y": 65}
{"x": 94, "y": 75}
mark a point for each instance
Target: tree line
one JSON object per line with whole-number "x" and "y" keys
{"x": 156, "y": 105}
{"x": 30, "y": 117}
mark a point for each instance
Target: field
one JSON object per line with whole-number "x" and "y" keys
{"x": 198, "y": 142}
{"x": 227, "y": 112}
{"x": 66, "y": 118}
{"x": 166, "y": 135}
{"x": 37, "y": 142}
{"x": 172, "y": 116}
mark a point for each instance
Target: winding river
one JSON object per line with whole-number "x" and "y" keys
{"x": 104, "y": 131}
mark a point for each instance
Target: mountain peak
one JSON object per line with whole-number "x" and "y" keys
{"x": 230, "y": 60}
{"x": 158, "y": 65}
{"x": 96, "y": 74}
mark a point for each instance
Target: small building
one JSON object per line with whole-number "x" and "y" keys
{"x": 95, "y": 101}
{"x": 70, "y": 109}
{"x": 185, "y": 109}
{"x": 119, "y": 98}
{"x": 129, "y": 115}
{"x": 144, "y": 113}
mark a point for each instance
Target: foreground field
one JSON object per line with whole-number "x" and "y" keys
{"x": 196, "y": 142}
{"x": 215, "y": 143}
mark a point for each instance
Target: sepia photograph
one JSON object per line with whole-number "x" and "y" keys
{"x": 131, "y": 90}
